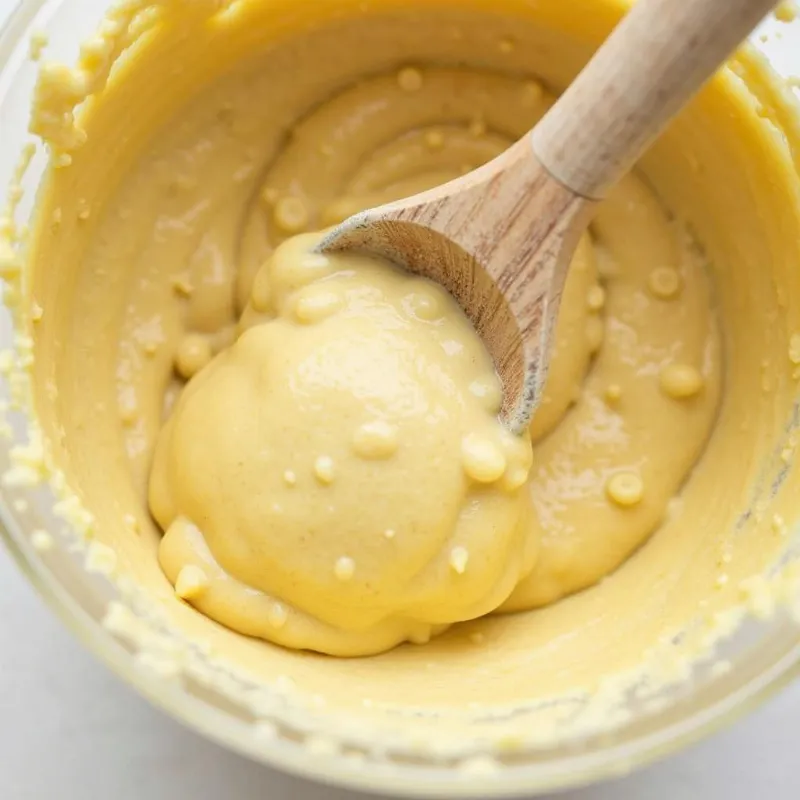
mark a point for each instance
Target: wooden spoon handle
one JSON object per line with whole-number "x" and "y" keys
{"x": 656, "y": 59}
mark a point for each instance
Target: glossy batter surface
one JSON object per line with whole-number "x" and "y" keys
{"x": 344, "y": 464}
{"x": 637, "y": 357}
{"x": 184, "y": 309}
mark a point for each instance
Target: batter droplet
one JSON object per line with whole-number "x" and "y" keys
{"x": 289, "y": 273}
{"x": 423, "y": 305}
{"x": 515, "y": 478}
{"x": 595, "y": 333}
{"x": 519, "y": 455}
{"x": 191, "y": 582}
{"x": 376, "y": 440}
{"x": 680, "y": 381}
{"x": 664, "y": 283}
{"x": 128, "y": 408}
{"x": 484, "y": 461}
{"x": 316, "y": 306}
{"x": 459, "y": 556}
{"x": 419, "y": 637}
{"x": 194, "y": 352}
{"x": 613, "y": 393}
{"x": 345, "y": 568}
{"x": 596, "y": 298}
{"x": 410, "y": 79}
{"x": 291, "y": 215}
{"x": 325, "y": 470}
{"x": 182, "y": 285}
{"x": 277, "y": 615}
{"x": 290, "y": 478}
{"x": 625, "y": 489}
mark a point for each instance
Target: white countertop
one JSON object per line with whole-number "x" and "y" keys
{"x": 70, "y": 730}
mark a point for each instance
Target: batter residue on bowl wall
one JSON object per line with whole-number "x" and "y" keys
{"x": 329, "y": 473}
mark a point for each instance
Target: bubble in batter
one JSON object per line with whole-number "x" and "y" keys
{"x": 458, "y": 559}
{"x": 596, "y": 298}
{"x": 424, "y": 304}
{"x": 191, "y": 582}
{"x": 625, "y": 489}
{"x": 278, "y": 615}
{"x": 681, "y": 381}
{"x": 325, "y": 470}
{"x": 345, "y": 568}
{"x": 484, "y": 460}
{"x": 313, "y": 306}
{"x": 664, "y": 283}
{"x": 194, "y": 352}
{"x": 290, "y": 477}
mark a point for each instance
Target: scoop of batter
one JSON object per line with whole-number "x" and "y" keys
{"x": 338, "y": 479}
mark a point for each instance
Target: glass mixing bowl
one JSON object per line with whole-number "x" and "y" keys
{"x": 762, "y": 657}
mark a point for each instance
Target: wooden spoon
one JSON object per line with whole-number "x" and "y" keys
{"x": 501, "y": 238}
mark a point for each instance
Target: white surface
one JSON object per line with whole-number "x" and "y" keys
{"x": 70, "y": 730}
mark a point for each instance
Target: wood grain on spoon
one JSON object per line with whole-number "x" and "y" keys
{"x": 501, "y": 238}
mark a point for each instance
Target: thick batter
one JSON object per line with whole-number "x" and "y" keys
{"x": 338, "y": 478}
{"x": 329, "y": 473}
{"x": 296, "y": 389}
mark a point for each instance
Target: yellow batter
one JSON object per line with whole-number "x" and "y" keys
{"x": 332, "y": 476}
{"x": 262, "y": 538}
